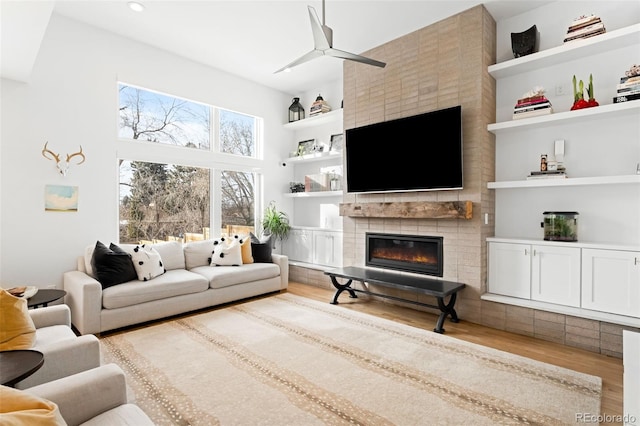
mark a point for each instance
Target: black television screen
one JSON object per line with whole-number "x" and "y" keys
{"x": 418, "y": 153}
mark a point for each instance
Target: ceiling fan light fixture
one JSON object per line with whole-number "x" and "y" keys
{"x": 323, "y": 45}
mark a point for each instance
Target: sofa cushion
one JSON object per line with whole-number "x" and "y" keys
{"x": 147, "y": 262}
{"x": 88, "y": 256}
{"x": 227, "y": 254}
{"x": 198, "y": 253}
{"x": 17, "y": 330}
{"x": 171, "y": 254}
{"x": 111, "y": 267}
{"x": 172, "y": 283}
{"x": 225, "y": 277}
{"x": 53, "y": 334}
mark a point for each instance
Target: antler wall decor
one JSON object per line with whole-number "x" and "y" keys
{"x": 62, "y": 165}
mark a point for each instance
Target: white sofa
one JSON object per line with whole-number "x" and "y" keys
{"x": 93, "y": 397}
{"x": 188, "y": 284}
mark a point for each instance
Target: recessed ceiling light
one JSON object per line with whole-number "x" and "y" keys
{"x": 134, "y": 5}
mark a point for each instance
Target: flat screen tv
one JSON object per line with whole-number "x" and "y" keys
{"x": 418, "y": 153}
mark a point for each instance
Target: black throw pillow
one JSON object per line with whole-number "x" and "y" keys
{"x": 261, "y": 249}
{"x": 112, "y": 265}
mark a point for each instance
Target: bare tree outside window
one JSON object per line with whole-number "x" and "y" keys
{"x": 154, "y": 117}
{"x": 171, "y": 201}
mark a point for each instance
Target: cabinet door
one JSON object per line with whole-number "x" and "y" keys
{"x": 631, "y": 361}
{"x": 510, "y": 269}
{"x": 555, "y": 275}
{"x": 298, "y": 245}
{"x": 327, "y": 248}
{"x": 611, "y": 281}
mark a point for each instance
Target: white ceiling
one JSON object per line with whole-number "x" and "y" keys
{"x": 251, "y": 39}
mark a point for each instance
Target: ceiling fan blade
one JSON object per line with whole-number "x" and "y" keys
{"x": 304, "y": 58}
{"x": 336, "y": 53}
{"x": 322, "y": 35}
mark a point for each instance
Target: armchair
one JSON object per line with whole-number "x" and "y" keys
{"x": 93, "y": 397}
{"x": 64, "y": 352}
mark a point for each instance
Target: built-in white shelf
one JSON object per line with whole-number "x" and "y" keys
{"x": 310, "y": 158}
{"x": 581, "y": 115}
{"x": 576, "y": 49}
{"x": 595, "y": 180}
{"x": 313, "y": 194}
{"x": 316, "y": 120}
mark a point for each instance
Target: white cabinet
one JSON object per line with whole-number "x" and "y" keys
{"x": 298, "y": 245}
{"x": 538, "y": 272}
{"x": 318, "y": 247}
{"x": 611, "y": 281}
{"x": 510, "y": 269}
{"x": 555, "y": 275}
{"x": 327, "y": 248}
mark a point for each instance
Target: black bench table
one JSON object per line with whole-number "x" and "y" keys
{"x": 424, "y": 285}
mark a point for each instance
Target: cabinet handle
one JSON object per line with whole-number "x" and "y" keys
{"x": 535, "y": 252}
{"x": 635, "y": 261}
{"x": 526, "y": 252}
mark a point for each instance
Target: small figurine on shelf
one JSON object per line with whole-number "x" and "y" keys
{"x": 578, "y": 95}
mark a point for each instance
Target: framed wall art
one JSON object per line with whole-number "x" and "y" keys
{"x": 306, "y": 147}
{"x": 336, "y": 142}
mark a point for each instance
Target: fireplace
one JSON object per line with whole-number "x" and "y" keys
{"x": 413, "y": 253}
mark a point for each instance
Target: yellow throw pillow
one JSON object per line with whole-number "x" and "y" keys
{"x": 18, "y": 330}
{"x": 245, "y": 247}
{"x": 20, "y": 408}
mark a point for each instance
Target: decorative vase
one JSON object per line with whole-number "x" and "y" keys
{"x": 296, "y": 111}
{"x": 524, "y": 43}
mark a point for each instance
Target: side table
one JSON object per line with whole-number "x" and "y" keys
{"x": 45, "y": 296}
{"x": 18, "y": 365}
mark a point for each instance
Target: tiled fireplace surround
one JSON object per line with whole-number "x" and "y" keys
{"x": 439, "y": 66}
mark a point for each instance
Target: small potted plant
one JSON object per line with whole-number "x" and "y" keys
{"x": 275, "y": 223}
{"x": 578, "y": 95}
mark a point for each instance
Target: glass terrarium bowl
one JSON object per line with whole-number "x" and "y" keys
{"x": 560, "y": 226}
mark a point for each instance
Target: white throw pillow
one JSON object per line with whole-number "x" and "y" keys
{"x": 147, "y": 262}
{"x": 227, "y": 253}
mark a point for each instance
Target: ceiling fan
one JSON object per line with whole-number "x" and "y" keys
{"x": 323, "y": 45}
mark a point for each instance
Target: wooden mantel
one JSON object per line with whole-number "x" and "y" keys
{"x": 410, "y": 210}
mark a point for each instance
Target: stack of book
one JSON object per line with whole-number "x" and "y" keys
{"x": 584, "y": 27}
{"x": 628, "y": 89}
{"x": 532, "y": 107}
{"x": 547, "y": 174}
{"x": 320, "y": 106}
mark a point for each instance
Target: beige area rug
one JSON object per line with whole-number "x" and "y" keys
{"x": 288, "y": 360}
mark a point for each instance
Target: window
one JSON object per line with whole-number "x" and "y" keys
{"x": 155, "y": 117}
{"x": 172, "y": 199}
{"x": 163, "y": 202}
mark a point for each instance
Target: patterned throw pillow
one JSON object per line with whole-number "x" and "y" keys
{"x": 147, "y": 262}
{"x": 227, "y": 253}
{"x": 245, "y": 248}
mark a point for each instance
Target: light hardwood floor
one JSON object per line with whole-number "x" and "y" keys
{"x": 608, "y": 368}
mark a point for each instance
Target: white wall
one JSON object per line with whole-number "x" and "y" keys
{"x": 72, "y": 100}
